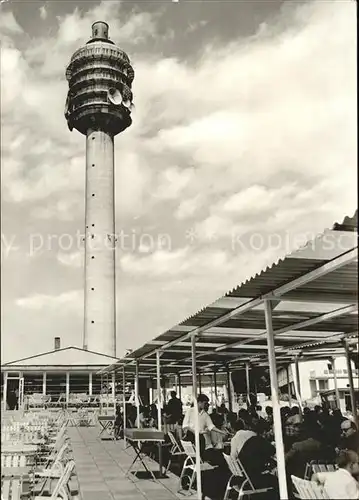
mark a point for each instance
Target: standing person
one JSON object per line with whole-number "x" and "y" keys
{"x": 205, "y": 423}
{"x": 17, "y": 393}
{"x": 118, "y": 426}
{"x": 11, "y": 399}
{"x": 174, "y": 409}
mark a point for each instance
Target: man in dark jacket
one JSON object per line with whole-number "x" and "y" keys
{"x": 174, "y": 409}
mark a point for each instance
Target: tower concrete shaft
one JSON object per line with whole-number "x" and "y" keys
{"x": 98, "y": 105}
{"x": 100, "y": 274}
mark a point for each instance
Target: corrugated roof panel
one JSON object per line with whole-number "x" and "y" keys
{"x": 338, "y": 287}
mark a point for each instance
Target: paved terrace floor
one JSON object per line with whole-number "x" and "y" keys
{"x": 101, "y": 466}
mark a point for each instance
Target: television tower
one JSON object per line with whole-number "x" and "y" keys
{"x": 98, "y": 105}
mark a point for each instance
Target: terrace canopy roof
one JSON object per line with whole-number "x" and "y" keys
{"x": 313, "y": 291}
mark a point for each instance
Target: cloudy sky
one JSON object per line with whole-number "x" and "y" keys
{"x": 243, "y": 145}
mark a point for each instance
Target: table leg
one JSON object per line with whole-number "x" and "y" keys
{"x": 160, "y": 458}
{"x": 137, "y": 456}
{"x": 139, "y": 452}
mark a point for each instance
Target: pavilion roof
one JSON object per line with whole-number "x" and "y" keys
{"x": 314, "y": 294}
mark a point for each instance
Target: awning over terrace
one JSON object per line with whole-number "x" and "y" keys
{"x": 313, "y": 294}
{"x": 303, "y": 307}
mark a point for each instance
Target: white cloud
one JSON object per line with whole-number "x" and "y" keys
{"x": 257, "y": 199}
{"x": 188, "y": 207}
{"x": 182, "y": 262}
{"x": 158, "y": 263}
{"x": 173, "y": 183}
{"x": 8, "y": 24}
{"x": 254, "y": 135}
{"x": 68, "y": 301}
{"x": 74, "y": 259}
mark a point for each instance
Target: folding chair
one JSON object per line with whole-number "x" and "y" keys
{"x": 236, "y": 472}
{"x": 175, "y": 450}
{"x": 308, "y": 489}
{"x": 13, "y": 470}
{"x": 11, "y": 488}
{"x": 314, "y": 467}
{"x": 54, "y": 466}
{"x": 248, "y": 488}
{"x": 62, "y": 488}
{"x": 190, "y": 464}
{"x": 12, "y": 461}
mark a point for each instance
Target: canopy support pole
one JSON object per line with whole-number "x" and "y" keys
{"x": 288, "y": 387}
{"x": 278, "y": 435}
{"x": 164, "y": 388}
{"x": 194, "y": 397}
{"x": 229, "y": 389}
{"x": 113, "y": 388}
{"x": 124, "y": 404}
{"x": 337, "y": 397}
{"x": 137, "y": 399}
{"x": 5, "y": 392}
{"x": 179, "y": 386}
{"x": 351, "y": 383}
{"x": 248, "y": 384}
{"x": 215, "y": 386}
{"x": 297, "y": 376}
{"x": 158, "y": 369}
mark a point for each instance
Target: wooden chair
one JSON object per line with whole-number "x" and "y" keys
{"x": 308, "y": 489}
{"x": 175, "y": 450}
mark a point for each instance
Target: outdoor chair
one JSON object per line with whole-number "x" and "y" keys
{"x": 175, "y": 450}
{"x": 13, "y": 461}
{"x": 314, "y": 467}
{"x": 11, "y": 488}
{"x": 59, "y": 403}
{"x": 37, "y": 400}
{"x": 237, "y": 476}
{"x": 62, "y": 489}
{"x": 11, "y": 484}
{"x": 189, "y": 466}
{"x": 247, "y": 488}
{"x": 307, "y": 489}
{"x": 54, "y": 466}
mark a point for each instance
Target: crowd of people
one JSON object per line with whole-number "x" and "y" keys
{"x": 310, "y": 435}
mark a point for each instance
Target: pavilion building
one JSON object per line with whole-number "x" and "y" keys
{"x": 57, "y": 374}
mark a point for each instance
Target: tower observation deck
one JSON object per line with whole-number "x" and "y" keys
{"x": 98, "y": 105}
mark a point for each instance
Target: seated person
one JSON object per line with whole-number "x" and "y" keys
{"x": 140, "y": 419}
{"x": 241, "y": 436}
{"x": 341, "y": 484}
{"x": 308, "y": 447}
{"x": 295, "y": 417}
{"x": 217, "y": 418}
{"x": 349, "y": 438}
{"x": 257, "y": 459}
{"x": 269, "y": 413}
